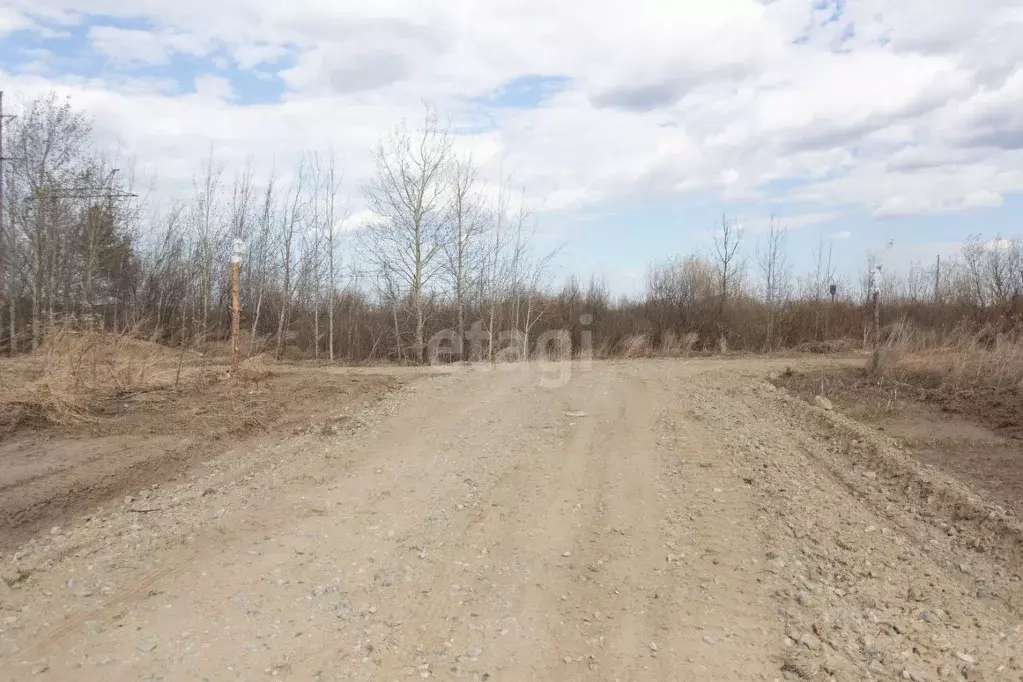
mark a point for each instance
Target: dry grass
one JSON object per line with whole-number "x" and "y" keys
{"x": 75, "y": 370}
{"x": 635, "y": 346}
{"x": 645, "y": 346}
{"x": 674, "y": 347}
{"x": 987, "y": 357}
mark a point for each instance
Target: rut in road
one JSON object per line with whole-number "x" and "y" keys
{"x": 620, "y": 521}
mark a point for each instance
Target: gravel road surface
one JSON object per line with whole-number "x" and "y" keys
{"x": 646, "y": 520}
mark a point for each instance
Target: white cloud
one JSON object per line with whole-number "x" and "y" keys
{"x": 129, "y": 46}
{"x": 216, "y": 87}
{"x": 912, "y": 112}
{"x": 135, "y": 46}
{"x": 842, "y": 236}
{"x": 759, "y": 225}
{"x": 11, "y": 20}
{"x": 361, "y": 219}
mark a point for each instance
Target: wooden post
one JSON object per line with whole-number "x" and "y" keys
{"x": 875, "y": 302}
{"x": 235, "y": 315}
{"x": 236, "y": 259}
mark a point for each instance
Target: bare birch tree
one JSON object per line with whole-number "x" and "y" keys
{"x": 260, "y": 252}
{"x": 332, "y": 238}
{"x": 463, "y": 246}
{"x": 209, "y": 230}
{"x": 774, "y": 269}
{"x": 286, "y": 243}
{"x": 727, "y": 239}
{"x": 50, "y": 141}
{"x": 408, "y": 194}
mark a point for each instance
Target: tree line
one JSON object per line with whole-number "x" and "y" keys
{"x": 446, "y": 252}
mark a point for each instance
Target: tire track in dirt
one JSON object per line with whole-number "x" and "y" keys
{"x": 438, "y": 416}
{"x": 436, "y": 625}
{"x": 681, "y": 565}
{"x": 484, "y": 530}
{"x": 504, "y": 619}
{"x": 867, "y": 585}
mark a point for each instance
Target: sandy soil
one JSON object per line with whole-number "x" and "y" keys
{"x": 51, "y": 474}
{"x": 627, "y": 521}
{"x": 974, "y": 433}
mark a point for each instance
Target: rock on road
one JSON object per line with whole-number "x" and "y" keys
{"x": 649, "y": 520}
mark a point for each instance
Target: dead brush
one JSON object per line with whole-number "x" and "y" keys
{"x": 672, "y": 346}
{"x": 886, "y": 360}
{"x": 79, "y": 369}
{"x": 635, "y": 346}
{"x": 257, "y": 369}
{"x": 963, "y": 359}
{"x": 994, "y": 360}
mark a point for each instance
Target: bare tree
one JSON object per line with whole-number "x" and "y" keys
{"x": 260, "y": 253}
{"x": 50, "y": 141}
{"x": 727, "y": 239}
{"x": 973, "y": 260}
{"x": 286, "y": 243}
{"x": 999, "y": 269}
{"x": 332, "y": 237}
{"x": 464, "y": 245}
{"x": 823, "y": 276}
{"x": 774, "y": 269}
{"x": 408, "y": 194}
{"x": 527, "y": 277}
{"x": 312, "y": 241}
{"x": 208, "y": 226}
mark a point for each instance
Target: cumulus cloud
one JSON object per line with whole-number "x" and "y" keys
{"x": 11, "y": 20}
{"x": 135, "y": 46}
{"x": 760, "y": 225}
{"x": 130, "y": 46}
{"x": 216, "y": 87}
{"x": 882, "y": 105}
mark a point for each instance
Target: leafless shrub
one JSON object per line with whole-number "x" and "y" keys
{"x": 884, "y": 361}
{"x": 962, "y": 359}
{"x": 78, "y": 369}
{"x": 635, "y": 346}
{"x": 445, "y": 256}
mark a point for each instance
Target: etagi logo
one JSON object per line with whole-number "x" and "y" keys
{"x": 554, "y": 351}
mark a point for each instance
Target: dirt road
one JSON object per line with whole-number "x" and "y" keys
{"x": 626, "y": 521}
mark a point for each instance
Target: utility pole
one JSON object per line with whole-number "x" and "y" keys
{"x": 236, "y": 259}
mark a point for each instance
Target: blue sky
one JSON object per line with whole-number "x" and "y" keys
{"x": 630, "y": 131}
